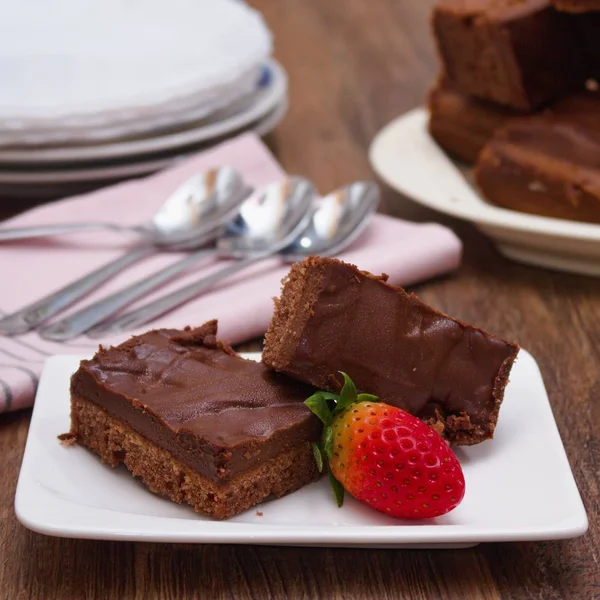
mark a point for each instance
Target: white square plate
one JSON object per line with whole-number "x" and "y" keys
{"x": 519, "y": 486}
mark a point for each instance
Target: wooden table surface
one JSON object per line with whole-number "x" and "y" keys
{"x": 354, "y": 66}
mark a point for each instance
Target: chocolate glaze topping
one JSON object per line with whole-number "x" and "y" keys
{"x": 187, "y": 392}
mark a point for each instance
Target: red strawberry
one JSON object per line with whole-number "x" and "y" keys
{"x": 385, "y": 457}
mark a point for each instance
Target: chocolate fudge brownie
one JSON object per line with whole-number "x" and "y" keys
{"x": 547, "y": 164}
{"x": 332, "y": 317}
{"x": 518, "y": 53}
{"x": 462, "y": 124}
{"x": 576, "y": 6}
{"x": 194, "y": 421}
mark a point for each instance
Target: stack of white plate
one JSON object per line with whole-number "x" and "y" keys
{"x": 95, "y": 92}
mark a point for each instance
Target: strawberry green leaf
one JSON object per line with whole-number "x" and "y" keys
{"x": 347, "y": 395}
{"x": 338, "y": 490}
{"x": 329, "y": 396}
{"x": 328, "y": 442}
{"x": 367, "y": 398}
{"x": 317, "y": 403}
{"x": 318, "y": 457}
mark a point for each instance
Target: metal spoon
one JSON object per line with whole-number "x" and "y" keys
{"x": 201, "y": 200}
{"x": 258, "y": 216}
{"x": 334, "y": 222}
{"x": 193, "y": 216}
{"x": 266, "y": 225}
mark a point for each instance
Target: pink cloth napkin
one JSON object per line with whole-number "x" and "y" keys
{"x": 408, "y": 252}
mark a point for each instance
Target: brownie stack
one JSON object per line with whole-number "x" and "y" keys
{"x": 518, "y": 98}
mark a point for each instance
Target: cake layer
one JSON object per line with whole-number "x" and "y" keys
{"x": 519, "y": 54}
{"x": 462, "y": 124}
{"x": 332, "y": 317}
{"x": 547, "y": 164}
{"x": 215, "y": 412}
{"x": 115, "y": 442}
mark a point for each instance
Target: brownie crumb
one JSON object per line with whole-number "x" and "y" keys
{"x": 259, "y": 513}
{"x": 67, "y": 439}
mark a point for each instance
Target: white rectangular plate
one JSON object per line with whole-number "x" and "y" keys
{"x": 519, "y": 486}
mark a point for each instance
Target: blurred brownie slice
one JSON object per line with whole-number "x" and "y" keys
{"x": 332, "y": 317}
{"x": 194, "y": 421}
{"x": 576, "y": 6}
{"x": 520, "y": 54}
{"x": 462, "y": 124}
{"x": 547, "y": 164}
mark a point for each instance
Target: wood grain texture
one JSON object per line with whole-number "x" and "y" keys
{"x": 353, "y": 66}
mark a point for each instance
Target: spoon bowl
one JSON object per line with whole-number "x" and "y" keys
{"x": 268, "y": 219}
{"x": 199, "y": 208}
{"x": 336, "y": 221}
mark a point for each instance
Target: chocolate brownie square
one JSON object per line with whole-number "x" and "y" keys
{"x": 547, "y": 164}
{"x": 194, "y": 421}
{"x": 332, "y": 317}
{"x": 518, "y": 53}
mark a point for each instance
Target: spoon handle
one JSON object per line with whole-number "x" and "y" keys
{"x": 84, "y": 319}
{"x": 25, "y": 233}
{"x": 31, "y": 316}
{"x": 165, "y": 304}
